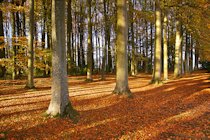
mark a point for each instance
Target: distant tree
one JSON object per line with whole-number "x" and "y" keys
{"x": 59, "y": 104}
{"x": 121, "y": 87}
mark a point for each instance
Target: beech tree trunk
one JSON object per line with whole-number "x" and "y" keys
{"x": 177, "y": 66}
{"x": 59, "y": 104}
{"x": 30, "y": 82}
{"x": 165, "y": 47}
{"x": 158, "y": 49}
{"x": 90, "y": 47}
{"x": 2, "y": 50}
{"x": 121, "y": 87}
{"x": 133, "y": 51}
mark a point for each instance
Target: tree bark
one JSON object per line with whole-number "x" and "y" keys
{"x": 158, "y": 49}
{"x": 59, "y": 104}
{"x": 133, "y": 51}
{"x": 2, "y": 50}
{"x": 121, "y": 87}
{"x": 30, "y": 82}
{"x": 90, "y": 45}
{"x": 104, "y": 58}
{"x": 177, "y": 66}
{"x": 165, "y": 47}
{"x": 69, "y": 34}
{"x": 187, "y": 70}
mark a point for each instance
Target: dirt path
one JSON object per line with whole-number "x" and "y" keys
{"x": 178, "y": 109}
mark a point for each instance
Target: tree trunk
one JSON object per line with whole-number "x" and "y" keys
{"x": 104, "y": 58}
{"x": 191, "y": 54}
{"x": 90, "y": 45}
{"x": 14, "y": 47}
{"x": 133, "y": 51}
{"x": 2, "y": 50}
{"x": 121, "y": 51}
{"x": 82, "y": 35}
{"x": 177, "y": 66}
{"x": 196, "y": 58}
{"x": 187, "y": 70}
{"x": 165, "y": 47}
{"x": 157, "y": 62}
{"x": 30, "y": 82}
{"x": 69, "y": 34}
{"x": 59, "y": 104}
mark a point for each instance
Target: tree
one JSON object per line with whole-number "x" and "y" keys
{"x": 59, "y": 104}
{"x": 133, "y": 59}
{"x": 69, "y": 34}
{"x": 2, "y": 50}
{"x": 121, "y": 87}
{"x": 165, "y": 47}
{"x": 30, "y": 82}
{"x": 177, "y": 66}
{"x": 157, "y": 62}
{"x": 90, "y": 44}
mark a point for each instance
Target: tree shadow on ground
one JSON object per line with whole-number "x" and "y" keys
{"x": 151, "y": 114}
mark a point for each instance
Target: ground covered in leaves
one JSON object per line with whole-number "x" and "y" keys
{"x": 178, "y": 109}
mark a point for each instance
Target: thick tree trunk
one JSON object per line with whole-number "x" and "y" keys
{"x": 90, "y": 45}
{"x": 158, "y": 51}
{"x": 121, "y": 50}
{"x": 30, "y": 82}
{"x": 165, "y": 47}
{"x": 177, "y": 66}
{"x": 59, "y": 104}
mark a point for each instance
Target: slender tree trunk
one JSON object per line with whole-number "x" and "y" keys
{"x": 104, "y": 58}
{"x": 121, "y": 51}
{"x": 82, "y": 36}
{"x": 196, "y": 58}
{"x": 133, "y": 51}
{"x": 152, "y": 48}
{"x": 90, "y": 45}
{"x": 187, "y": 48}
{"x": 146, "y": 49}
{"x": 177, "y": 67}
{"x": 14, "y": 47}
{"x": 2, "y": 50}
{"x": 69, "y": 34}
{"x": 165, "y": 47}
{"x": 158, "y": 51}
{"x": 191, "y": 54}
{"x": 30, "y": 82}
{"x": 59, "y": 104}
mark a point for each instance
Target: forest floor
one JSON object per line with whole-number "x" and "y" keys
{"x": 176, "y": 110}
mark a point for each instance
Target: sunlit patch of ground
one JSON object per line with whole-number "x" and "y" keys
{"x": 177, "y": 109}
